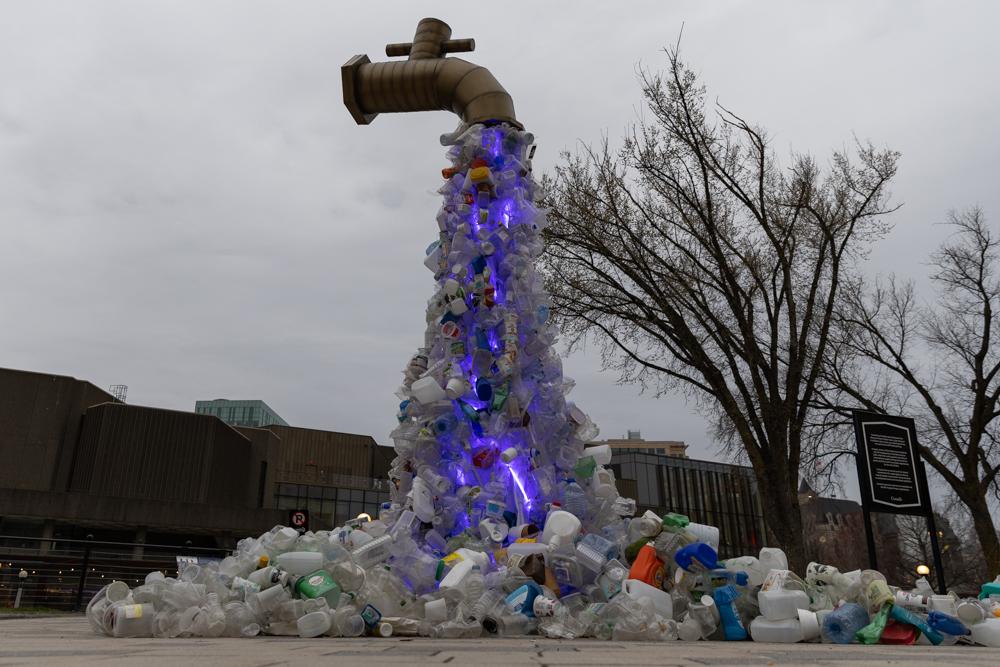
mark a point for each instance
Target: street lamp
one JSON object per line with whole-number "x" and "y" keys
{"x": 923, "y": 570}
{"x": 21, "y": 576}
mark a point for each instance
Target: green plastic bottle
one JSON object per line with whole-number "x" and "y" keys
{"x": 319, "y": 584}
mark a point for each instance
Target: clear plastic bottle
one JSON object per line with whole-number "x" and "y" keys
{"x": 575, "y": 499}
{"x": 842, "y": 623}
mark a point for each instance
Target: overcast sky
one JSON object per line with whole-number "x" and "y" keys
{"x": 186, "y": 206}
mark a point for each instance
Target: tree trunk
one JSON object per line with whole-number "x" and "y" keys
{"x": 782, "y": 514}
{"x": 982, "y": 521}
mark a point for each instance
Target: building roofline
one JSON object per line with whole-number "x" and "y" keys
{"x": 55, "y": 375}
{"x": 198, "y": 415}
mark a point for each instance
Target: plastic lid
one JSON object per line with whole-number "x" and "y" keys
{"x": 809, "y": 622}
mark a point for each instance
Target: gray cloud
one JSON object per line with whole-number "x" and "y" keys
{"x": 187, "y": 207}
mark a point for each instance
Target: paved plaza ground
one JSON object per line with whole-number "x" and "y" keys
{"x": 68, "y": 640}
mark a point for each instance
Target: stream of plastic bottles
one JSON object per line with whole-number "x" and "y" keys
{"x": 501, "y": 520}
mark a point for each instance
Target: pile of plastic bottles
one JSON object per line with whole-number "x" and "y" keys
{"x": 502, "y": 521}
{"x": 364, "y": 579}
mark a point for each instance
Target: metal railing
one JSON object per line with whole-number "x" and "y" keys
{"x": 64, "y": 574}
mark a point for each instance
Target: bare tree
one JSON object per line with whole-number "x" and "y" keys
{"x": 939, "y": 363}
{"x": 700, "y": 264}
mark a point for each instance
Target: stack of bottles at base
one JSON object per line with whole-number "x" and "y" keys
{"x": 646, "y": 578}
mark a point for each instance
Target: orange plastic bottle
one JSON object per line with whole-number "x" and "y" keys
{"x": 647, "y": 567}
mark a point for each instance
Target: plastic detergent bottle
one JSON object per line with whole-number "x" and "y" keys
{"x": 647, "y": 567}
{"x": 316, "y": 585}
{"x": 732, "y": 626}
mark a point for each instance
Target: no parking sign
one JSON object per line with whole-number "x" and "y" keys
{"x": 299, "y": 520}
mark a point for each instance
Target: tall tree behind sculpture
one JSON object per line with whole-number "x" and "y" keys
{"x": 486, "y": 438}
{"x": 701, "y": 265}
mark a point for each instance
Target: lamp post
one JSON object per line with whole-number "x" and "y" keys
{"x": 21, "y": 576}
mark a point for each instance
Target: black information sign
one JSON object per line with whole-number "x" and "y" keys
{"x": 890, "y": 472}
{"x": 299, "y": 520}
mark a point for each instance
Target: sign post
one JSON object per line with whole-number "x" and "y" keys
{"x": 892, "y": 477}
{"x": 299, "y": 520}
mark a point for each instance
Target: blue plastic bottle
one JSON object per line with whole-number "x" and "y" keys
{"x": 945, "y": 624}
{"x": 904, "y": 615}
{"x": 732, "y": 627}
{"x": 840, "y": 624}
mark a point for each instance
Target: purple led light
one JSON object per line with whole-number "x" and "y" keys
{"x": 520, "y": 485}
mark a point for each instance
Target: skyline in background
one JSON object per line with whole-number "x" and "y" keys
{"x": 188, "y": 208}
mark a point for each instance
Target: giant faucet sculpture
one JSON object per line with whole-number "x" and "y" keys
{"x": 426, "y": 81}
{"x": 487, "y": 445}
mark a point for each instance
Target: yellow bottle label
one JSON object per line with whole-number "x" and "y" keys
{"x": 133, "y": 611}
{"x": 452, "y": 559}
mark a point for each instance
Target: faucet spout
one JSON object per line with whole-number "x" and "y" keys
{"x": 426, "y": 81}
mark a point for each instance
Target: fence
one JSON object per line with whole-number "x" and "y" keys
{"x": 65, "y": 574}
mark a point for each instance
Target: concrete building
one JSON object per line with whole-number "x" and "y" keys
{"x": 635, "y": 442}
{"x": 76, "y": 462}
{"x": 240, "y": 413}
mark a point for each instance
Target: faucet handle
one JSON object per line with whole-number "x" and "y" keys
{"x": 449, "y": 46}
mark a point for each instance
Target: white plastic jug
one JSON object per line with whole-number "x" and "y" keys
{"x": 785, "y": 631}
{"x": 300, "y": 562}
{"x": 704, "y": 533}
{"x": 661, "y": 600}
{"x": 772, "y": 558}
{"x": 560, "y": 528}
{"x": 601, "y": 454}
{"x": 778, "y": 603}
{"x": 987, "y": 633}
{"x": 458, "y": 573}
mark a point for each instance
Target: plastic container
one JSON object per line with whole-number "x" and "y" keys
{"x": 842, "y": 623}
{"x": 522, "y": 599}
{"x": 772, "y": 558}
{"x": 130, "y": 620}
{"x": 575, "y": 499}
{"x": 810, "y": 622}
{"x": 904, "y": 615}
{"x": 732, "y": 626}
{"x": 313, "y": 624}
{"x": 777, "y": 602}
{"x": 647, "y": 567}
{"x": 987, "y": 633}
{"x": 697, "y": 557}
{"x": 373, "y": 552}
{"x": 426, "y": 390}
{"x": 561, "y": 527}
{"x": 700, "y": 532}
{"x": 661, "y": 600}
{"x": 946, "y": 624}
{"x": 319, "y": 585}
{"x": 899, "y": 633}
{"x": 299, "y": 562}
{"x": 971, "y": 611}
{"x": 784, "y": 631}
{"x": 601, "y": 454}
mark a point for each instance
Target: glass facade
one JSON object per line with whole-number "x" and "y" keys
{"x": 329, "y": 506}
{"x": 717, "y": 494}
{"x": 240, "y": 413}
